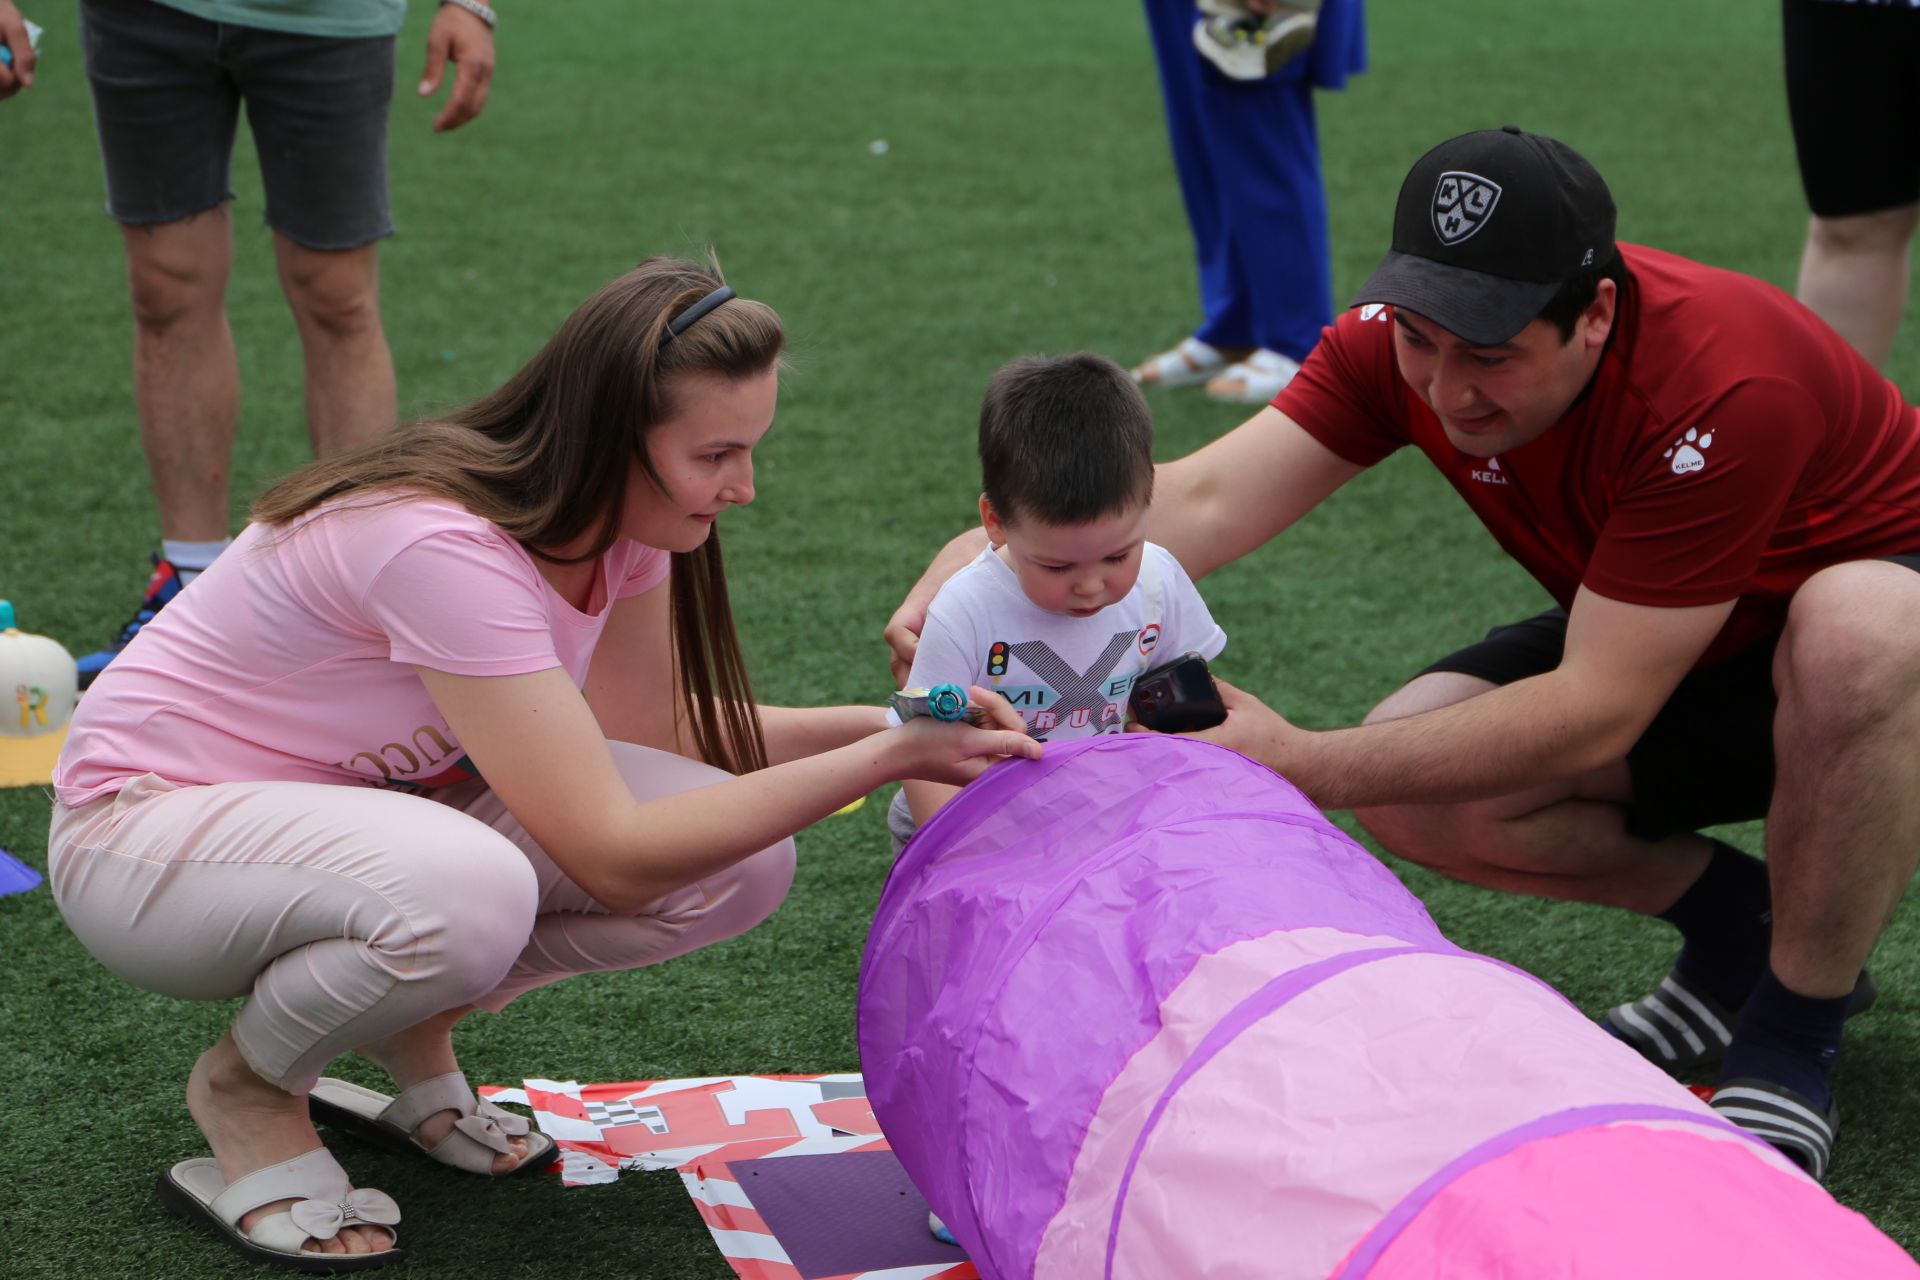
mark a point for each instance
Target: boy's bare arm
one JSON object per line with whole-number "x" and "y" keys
{"x": 925, "y": 798}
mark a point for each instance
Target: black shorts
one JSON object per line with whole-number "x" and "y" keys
{"x": 167, "y": 90}
{"x": 1851, "y": 69}
{"x": 1706, "y": 759}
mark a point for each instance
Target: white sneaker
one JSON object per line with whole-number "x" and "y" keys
{"x": 1250, "y": 46}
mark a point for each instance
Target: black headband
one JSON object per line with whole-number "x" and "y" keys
{"x": 682, "y": 322}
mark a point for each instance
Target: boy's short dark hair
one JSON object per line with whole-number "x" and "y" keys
{"x": 1064, "y": 440}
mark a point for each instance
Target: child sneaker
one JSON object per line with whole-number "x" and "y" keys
{"x": 163, "y": 586}
{"x": 1251, "y": 46}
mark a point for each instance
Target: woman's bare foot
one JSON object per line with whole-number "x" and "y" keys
{"x": 422, "y": 1052}
{"x": 250, "y": 1125}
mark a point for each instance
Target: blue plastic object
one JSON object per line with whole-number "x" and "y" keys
{"x": 15, "y": 875}
{"x": 947, "y": 702}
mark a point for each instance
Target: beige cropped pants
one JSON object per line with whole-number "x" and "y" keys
{"x": 346, "y": 914}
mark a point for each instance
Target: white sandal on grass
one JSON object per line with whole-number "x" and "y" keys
{"x": 324, "y": 1202}
{"x": 1255, "y": 380}
{"x": 480, "y": 1134}
{"x": 1187, "y": 365}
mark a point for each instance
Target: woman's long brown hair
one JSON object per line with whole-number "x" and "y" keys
{"x": 545, "y": 459}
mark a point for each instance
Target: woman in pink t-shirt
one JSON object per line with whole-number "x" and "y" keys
{"x": 460, "y": 714}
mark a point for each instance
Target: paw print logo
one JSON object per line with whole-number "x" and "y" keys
{"x": 1688, "y": 452}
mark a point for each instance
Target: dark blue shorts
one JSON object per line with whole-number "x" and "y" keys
{"x": 167, "y": 92}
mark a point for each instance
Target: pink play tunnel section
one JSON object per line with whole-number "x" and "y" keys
{"x": 1139, "y": 1010}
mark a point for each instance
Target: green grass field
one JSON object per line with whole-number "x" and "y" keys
{"x": 1025, "y": 203}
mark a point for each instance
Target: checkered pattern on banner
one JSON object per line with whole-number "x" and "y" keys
{"x": 696, "y": 1127}
{"x": 611, "y": 1115}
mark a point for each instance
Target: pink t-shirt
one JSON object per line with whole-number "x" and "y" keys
{"x": 292, "y": 658}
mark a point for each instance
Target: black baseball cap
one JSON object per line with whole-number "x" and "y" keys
{"x": 1488, "y": 227}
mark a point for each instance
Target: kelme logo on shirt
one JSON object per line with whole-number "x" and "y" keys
{"x": 1462, "y": 203}
{"x": 1688, "y": 453}
{"x": 1490, "y": 474}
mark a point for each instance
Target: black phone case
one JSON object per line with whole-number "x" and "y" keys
{"x": 1177, "y": 697}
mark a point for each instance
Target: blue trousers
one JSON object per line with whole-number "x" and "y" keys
{"x": 1248, "y": 158}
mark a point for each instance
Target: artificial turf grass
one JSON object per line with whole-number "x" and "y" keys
{"x": 1025, "y": 203}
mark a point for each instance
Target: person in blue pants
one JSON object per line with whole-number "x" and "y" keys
{"x": 1248, "y": 158}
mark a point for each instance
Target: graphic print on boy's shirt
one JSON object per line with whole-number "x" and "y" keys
{"x": 1082, "y": 699}
{"x": 1068, "y": 677}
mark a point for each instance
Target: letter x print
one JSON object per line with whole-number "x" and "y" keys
{"x": 1076, "y": 689}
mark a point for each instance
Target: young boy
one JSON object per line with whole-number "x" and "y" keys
{"x": 1070, "y": 603}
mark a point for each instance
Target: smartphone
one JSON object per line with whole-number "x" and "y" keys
{"x": 1177, "y": 697}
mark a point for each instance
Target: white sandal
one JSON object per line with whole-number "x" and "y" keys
{"x": 480, "y": 1134}
{"x": 325, "y": 1201}
{"x": 1187, "y": 365}
{"x": 1255, "y": 380}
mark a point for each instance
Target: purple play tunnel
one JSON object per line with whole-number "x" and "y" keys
{"x": 1139, "y": 1010}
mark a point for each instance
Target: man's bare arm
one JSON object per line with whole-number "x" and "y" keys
{"x": 1622, "y": 662}
{"x": 1223, "y": 500}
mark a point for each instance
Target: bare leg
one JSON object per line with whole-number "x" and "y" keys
{"x": 1564, "y": 839}
{"x": 335, "y": 298}
{"x": 186, "y": 381}
{"x": 420, "y": 1053}
{"x": 1844, "y": 830}
{"x": 250, "y": 1125}
{"x": 1853, "y": 273}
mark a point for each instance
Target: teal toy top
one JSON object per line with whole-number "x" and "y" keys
{"x": 6, "y": 614}
{"x": 947, "y": 702}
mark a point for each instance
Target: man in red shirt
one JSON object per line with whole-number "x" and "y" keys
{"x": 1719, "y": 493}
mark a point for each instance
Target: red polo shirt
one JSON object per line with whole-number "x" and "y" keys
{"x": 1730, "y": 445}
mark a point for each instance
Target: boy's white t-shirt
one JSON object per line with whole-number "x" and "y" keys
{"x": 1068, "y": 676}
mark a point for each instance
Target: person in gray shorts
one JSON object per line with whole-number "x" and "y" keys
{"x": 316, "y": 80}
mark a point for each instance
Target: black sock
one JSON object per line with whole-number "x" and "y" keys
{"x": 1787, "y": 1039}
{"x": 1726, "y": 920}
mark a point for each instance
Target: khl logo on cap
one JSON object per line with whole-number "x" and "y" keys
{"x": 1462, "y": 203}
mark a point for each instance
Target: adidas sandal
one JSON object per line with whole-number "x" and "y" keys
{"x": 1680, "y": 1027}
{"x": 1677, "y": 1025}
{"x": 480, "y": 1134}
{"x": 1783, "y": 1119}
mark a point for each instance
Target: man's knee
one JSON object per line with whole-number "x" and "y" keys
{"x": 1431, "y": 835}
{"x": 1428, "y": 692}
{"x": 1850, "y": 653}
{"x": 334, "y": 293}
{"x": 173, "y": 279}
{"x": 1883, "y": 231}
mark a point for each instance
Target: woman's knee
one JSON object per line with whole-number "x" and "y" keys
{"x": 748, "y": 892}
{"x": 467, "y": 924}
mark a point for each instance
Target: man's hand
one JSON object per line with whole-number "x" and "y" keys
{"x": 903, "y": 629}
{"x": 1252, "y": 728}
{"x": 903, "y": 637}
{"x": 461, "y": 38}
{"x": 13, "y": 34}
